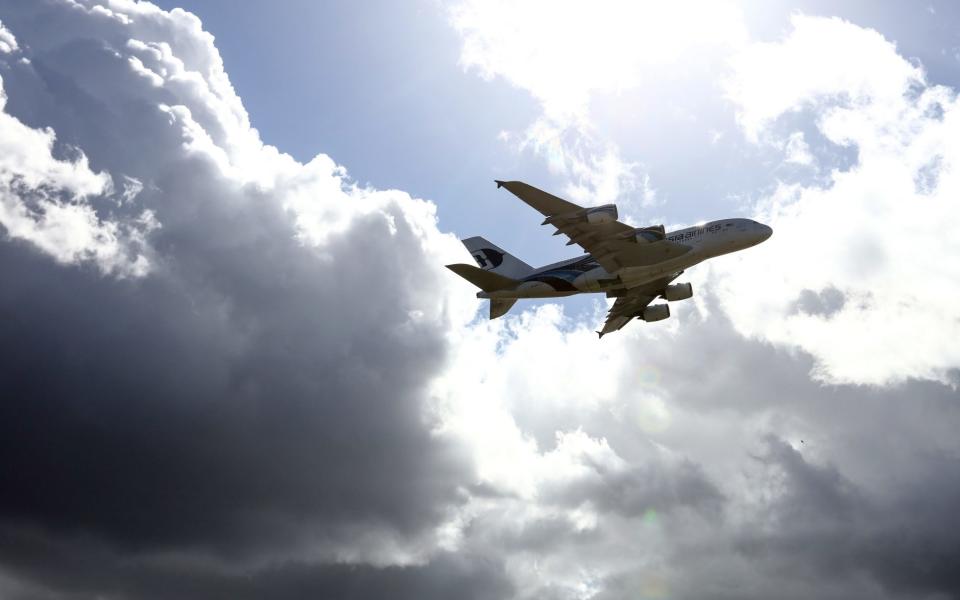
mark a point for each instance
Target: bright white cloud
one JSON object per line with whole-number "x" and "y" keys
{"x": 822, "y": 59}
{"x": 563, "y": 52}
{"x": 594, "y": 170}
{"x": 879, "y": 233}
{"x": 796, "y": 150}
{"x": 566, "y": 53}
{"x": 45, "y": 201}
{"x": 8, "y": 43}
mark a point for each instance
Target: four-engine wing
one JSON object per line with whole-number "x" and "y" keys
{"x": 634, "y": 302}
{"x": 613, "y": 244}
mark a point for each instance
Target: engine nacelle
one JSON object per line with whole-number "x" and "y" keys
{"x": 657, "y": 312}
{"x": 648, "y": 235}
{"x": 678, "y": 291}
{"x": 601, "y": 215}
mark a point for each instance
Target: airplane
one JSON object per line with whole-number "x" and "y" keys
{"x": 635, "y": 265}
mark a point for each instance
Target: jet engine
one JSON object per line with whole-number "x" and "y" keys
{"x": 657, "y": 312}
{"x": 648, "y": 235}
{"x": 678, "y": 291}
{"x": 601, "y": 215}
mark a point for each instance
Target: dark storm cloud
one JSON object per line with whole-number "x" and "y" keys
{"x": 658, "y": 485}
{"x": 90, "y": 571}
{"x": 253, "y": 397}
{"x": 859, "y": 506}
{"x": 541, "y": 535}
{"x": 192, "y": 410}
{"x": 823, "y": 522}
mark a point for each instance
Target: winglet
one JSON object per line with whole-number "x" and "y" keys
{"x": 499, "y": 183}
{"x": 599, "y": 334}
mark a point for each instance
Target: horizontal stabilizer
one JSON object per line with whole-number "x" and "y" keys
{"x": 485, "y": 280}
{"x": 500, "y": 306}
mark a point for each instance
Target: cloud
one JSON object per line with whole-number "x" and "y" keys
{"x": 96, "y": 571}
{"x": 595, "y": 171}
{"x": 772, "y": 78}
{"x": 45, "y": 201}
{"x": 294, "y": 398}
{"x": 221, "y": 391}
{"x": 796, "y": 150}
{"x": 670, "y": 463}
{"x": 850, "y": 233}
{"x": 8, "y": 43}
{"x": 826, "y": 302}
{"x": 780, "y": 462}
{"x": 844, "y": 533}
{"x": 565, "y": 54}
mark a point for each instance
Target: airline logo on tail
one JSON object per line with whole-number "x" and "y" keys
{"x": 488, "y": 259}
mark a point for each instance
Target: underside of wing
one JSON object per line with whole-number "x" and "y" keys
{"x": 624, "y": 310}
{"x": 633, "y": 302}
{"x": 547, "y": 204}
{"x": 614, "y": 254}
{"x": 613, "y": 244}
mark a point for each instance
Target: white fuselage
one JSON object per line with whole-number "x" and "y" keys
{"x": 584, "y": 274}
{"x": 706, "y": 241}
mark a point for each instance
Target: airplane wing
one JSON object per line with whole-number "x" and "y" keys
{"x": 633, "y": 302}
{"x": 623, "y": 311}
{"x": 615, "y": 245}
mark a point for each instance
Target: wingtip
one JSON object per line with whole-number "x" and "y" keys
{"x": 599, "y": 334}
{"x": 499, "y": 183}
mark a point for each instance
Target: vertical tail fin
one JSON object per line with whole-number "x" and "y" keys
{"x": 492, "y": 258}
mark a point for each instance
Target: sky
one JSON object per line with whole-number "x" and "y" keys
{"x": 233, "y": 365}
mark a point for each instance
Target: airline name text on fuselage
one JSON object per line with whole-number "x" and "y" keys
{"x": 699, "y": 231}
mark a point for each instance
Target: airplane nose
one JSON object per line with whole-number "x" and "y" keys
{"x": 765, "y": 232}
